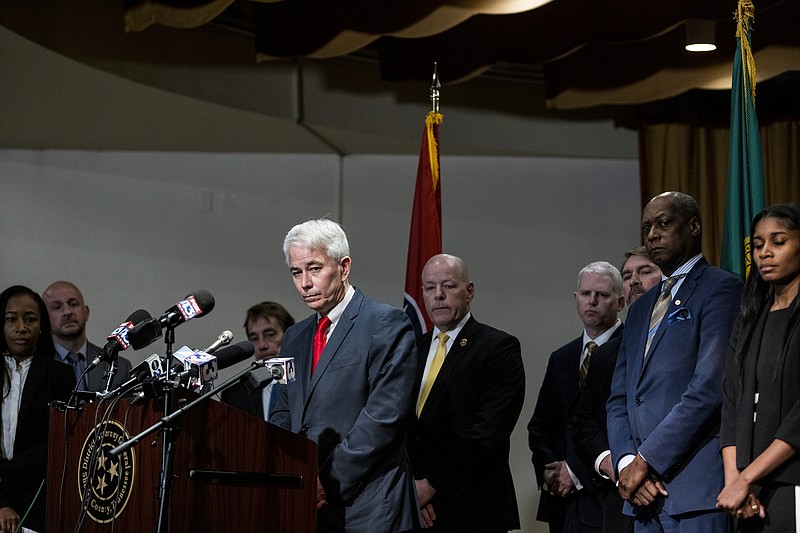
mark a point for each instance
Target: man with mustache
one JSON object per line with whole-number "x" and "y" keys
{"x": 567, "y": 501}
{"x": 639, "y": 274}
{"x": 68, "y": 316}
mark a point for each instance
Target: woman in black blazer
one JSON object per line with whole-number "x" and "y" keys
{"x": 31, "y": 379}
{"x": 760, "y": 430}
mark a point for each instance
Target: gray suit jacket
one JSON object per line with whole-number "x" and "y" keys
{"x": 355, "y": 407}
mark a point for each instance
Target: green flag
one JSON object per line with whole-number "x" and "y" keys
{"x": 745, "y": 164}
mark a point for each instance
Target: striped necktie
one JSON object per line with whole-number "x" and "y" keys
{"x": 584, "y": 370}
{"x": 660, "y": 309}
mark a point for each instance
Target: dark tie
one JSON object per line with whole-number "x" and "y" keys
{"x": 319, "y": 341}
{"x": 77, "y": 362}
{"x": 590, "y": 347}
{"x": 660, "y": 309}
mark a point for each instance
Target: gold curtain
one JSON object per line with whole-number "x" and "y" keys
{"x": 693, "y": 159}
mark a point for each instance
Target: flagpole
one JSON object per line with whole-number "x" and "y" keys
{"x": 425, "y": 238}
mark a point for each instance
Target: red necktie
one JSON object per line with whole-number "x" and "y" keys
{"x": 319, "y": 341}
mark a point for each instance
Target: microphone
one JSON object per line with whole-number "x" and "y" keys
{"x": 200, "y": 368}
{"x": 199, "y": 303}
{"x": 118, "y": 339}
{"x": 224, "y": 339}
{"x": 152, "y": 367}
{"x": 277, "y": 369}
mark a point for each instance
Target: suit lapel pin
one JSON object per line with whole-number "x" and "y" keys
{"x": 463, "y": 342}
{"x": 677, "y": 302}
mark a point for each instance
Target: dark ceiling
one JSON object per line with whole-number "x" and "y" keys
{"x": 586, "y": 53}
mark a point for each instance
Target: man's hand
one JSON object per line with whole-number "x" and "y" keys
{"x": 560, "y": 481}
{"x": 428, "y": 515}
{"x": 321, "y": 498}
{"x": 607, "y": 469}
{"x": 425, "y": 491}
{"x": 637, "y": 485}
{"x": 9, "y": 520}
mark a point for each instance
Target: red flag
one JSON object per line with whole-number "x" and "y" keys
{"x": 425, "y": 240}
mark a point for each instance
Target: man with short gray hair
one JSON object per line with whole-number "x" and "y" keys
{"x": 566, "y": 502}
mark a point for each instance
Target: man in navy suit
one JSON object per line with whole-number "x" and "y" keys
{"x": 467, "y": 402}
{"x": 568, "y": 500}
{"x": 265, "y": 324}
{"x": 664, "y": 408}
{"x": 354, "y": 399}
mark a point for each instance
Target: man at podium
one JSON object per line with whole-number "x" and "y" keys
{"x": 355, "y": 361}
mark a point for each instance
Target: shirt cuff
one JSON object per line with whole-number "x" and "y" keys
{"x": 574, "y": 478}
{"x": 624, "y": 461}
{"x": 600, "y": 460}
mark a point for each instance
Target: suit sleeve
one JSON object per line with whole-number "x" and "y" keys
{"x": 696, "y": 415}
{"x": 377, "y": 439}
{"x": 544, "y": 425}
{"x": 500, "y": 404}
{"x": 620, "y": 436}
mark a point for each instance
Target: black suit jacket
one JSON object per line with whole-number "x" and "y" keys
{"x": 590, "y": 433}
{"x": 550, "y": 438}
{"x": 21, "y": 476}
{"x": 97, "y": 377}
{"x": 460, "y": 443}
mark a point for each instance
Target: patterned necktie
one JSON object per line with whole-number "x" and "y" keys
{"x": 433, "y": 371}
{"x": 77, "y": 362}
{"x": 319, "y": 341}
{"x": 590, "y": 347}
{"x": 660, "y": 309}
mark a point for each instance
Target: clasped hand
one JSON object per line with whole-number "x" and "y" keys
{"x": 638, "y": 485}
{"x": 737, "y": 500}
{"x": 559, "y": 482}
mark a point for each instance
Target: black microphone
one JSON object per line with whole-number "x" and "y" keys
{"x": 199, "y": 303}
{"x": 234, "y": 354}
{"x": 224, "y": 339}
{"x": 118, "y": 339}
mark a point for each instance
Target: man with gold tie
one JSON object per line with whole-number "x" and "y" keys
{"x": 468, "y": 395}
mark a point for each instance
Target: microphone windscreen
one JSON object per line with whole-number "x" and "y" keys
{"x": 144, "y": 333}
{"x": 140, "y": 315}
{"x": 204, "y": 300}
{"x": 234, "y": 354}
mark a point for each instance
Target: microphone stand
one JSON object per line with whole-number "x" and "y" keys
{"x": 168, "y": 445}
{"x": 166, "y": 424}
{"x": 112, "y": 371}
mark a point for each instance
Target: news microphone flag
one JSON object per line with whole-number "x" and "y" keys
{"x": 745, "y": 164}
{"x": 425, "y": 239}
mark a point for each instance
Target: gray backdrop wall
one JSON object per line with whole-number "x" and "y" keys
{"x": 143, "y": 229}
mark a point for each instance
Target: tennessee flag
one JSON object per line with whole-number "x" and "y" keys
{"x": 425, "y": 240}
{"x": 745, "y": 164}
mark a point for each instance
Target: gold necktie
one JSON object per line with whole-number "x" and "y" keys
{"x": 590, "y": 347}
{"x": 433, "y": 371}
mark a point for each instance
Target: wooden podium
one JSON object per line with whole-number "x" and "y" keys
{"x": 231, "y": 471}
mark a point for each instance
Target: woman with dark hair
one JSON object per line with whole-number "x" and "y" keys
{"x": 760, "y": 431}
{"x": 32, "y": 378}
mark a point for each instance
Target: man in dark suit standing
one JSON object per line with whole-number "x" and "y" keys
{"x": 639, "y": 274}
{"x": 265, "y": 324}
{"x": 468, "y": 398}
{"x": 568, "y": 500}
{"x": 664, "y": 408}
{"x": 355, "y": 362}
{"x": 68, "y": 316}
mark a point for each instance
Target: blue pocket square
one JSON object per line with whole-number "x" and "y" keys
{"x": 679, "y": 314}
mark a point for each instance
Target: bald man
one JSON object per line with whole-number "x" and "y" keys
{"x": 68, "y": 316}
